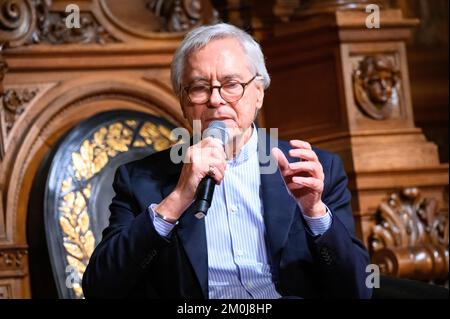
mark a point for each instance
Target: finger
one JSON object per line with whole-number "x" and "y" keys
{"x": 218, "y": 177}
{"x": 202, "y": 158}
{"x": 221, "y": 166}
{"x": 305, "y": 154}
{"x": 294, "y": 186}
{"x": 300, "y": 144}
{"x": 217, "y": 163}
{"x": 218, "y": 169}
{"x": 197, "y": 155}
{"x": 313, "y": 168}
{"x": 309, "y": 182}
{"x": 216, "y": 154}
{"x": 209, "y": 149}
{"x": 212, "y": 142}
{"x": 283, "y": 163}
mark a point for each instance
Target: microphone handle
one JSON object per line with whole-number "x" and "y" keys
{"x": 205, "y": 191}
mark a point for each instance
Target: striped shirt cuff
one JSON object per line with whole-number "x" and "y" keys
{"x": 162, "y": 227}
{"x": 319, "y": 225}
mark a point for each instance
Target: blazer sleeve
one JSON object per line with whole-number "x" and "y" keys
{"x": 340, "y": 256}
{"x": 128, "y": 246}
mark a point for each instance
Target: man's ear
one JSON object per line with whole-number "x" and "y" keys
{"x": 182, "y": 106}
{"x": 259, "y": 96}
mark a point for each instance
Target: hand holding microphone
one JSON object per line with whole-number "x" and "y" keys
{"x": 204, "y": 167}
{"x": 216, "y": 130}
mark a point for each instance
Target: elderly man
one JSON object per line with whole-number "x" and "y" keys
{"x": 285, "y": 234}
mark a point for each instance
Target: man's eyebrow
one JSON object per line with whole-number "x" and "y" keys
{"x": 199, "y": 79}
{"x": 228, "y": 77}
{"x": 224, "y": 78}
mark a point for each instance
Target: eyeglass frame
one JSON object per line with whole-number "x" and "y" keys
{"x": 219, "y": 87}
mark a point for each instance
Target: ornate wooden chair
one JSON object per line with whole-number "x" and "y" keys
{"x": 79, "y": 186}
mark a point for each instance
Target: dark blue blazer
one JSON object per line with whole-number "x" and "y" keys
{"x": 132, "y": 260}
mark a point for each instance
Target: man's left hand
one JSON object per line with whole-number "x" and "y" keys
{"x": 304, "y": 179}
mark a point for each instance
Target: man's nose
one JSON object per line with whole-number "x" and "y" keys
{"x": 215, "y": 99}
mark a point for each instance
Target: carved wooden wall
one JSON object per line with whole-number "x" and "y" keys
{"x": 58, "y": 76}
{"x": 346, "y": 88}
{"x": 325, "y": 64}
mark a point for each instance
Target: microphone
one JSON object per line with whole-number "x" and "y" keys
{"x": 205, "y": 189}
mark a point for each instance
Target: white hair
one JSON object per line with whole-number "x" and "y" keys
{"x": 199, "y": 37}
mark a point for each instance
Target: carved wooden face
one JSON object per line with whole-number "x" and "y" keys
{"x": 220, "y": 61}
{"x": 380, "y": 85}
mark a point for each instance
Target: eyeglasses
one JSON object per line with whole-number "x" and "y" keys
{"x": 231, "y": 91}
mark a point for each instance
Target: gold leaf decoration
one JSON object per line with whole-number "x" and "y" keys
{"x": 93, "y": 155}
{"x": 99, "y": 136}
{"x": 66, "y": 185}
{"x": 89, "y": 242}
{"x": 74, "y": 222}
{"x": 74, "y": 250}
{"x": 159, "y": 135}
{"x": 67, "y": 228}
{"x": 78, "y": 290}
{"x": 139, "y": 143}
{"x": 83, "y": 221}
{"x": 87, "y": 191}
{"x": 118, "y": 139}
{"x": 75, "y": 263}
{"x": 166, "y": 133}
{"x": 161, "y": 144}
{"x": 131, "y": 123}
{"x": 148, "y": 131}
{"x": 100, "y": 161}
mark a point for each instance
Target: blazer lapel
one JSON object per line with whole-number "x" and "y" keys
{"x": 192, "y": 234}
{"x": 279, "y": 206}
{"x": 190, "y": 231}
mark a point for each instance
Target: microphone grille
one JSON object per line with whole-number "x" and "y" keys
{"x": 217, "y": 129}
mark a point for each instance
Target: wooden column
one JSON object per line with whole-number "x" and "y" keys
{"x": 345, "y": 87}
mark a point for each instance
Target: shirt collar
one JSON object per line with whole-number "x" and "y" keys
{"x": 248, "y": 149}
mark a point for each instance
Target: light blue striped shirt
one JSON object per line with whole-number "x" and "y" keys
{"x": 238, "y": 265}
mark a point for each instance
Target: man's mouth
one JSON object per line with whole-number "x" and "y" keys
{"x": 219, "y": 118}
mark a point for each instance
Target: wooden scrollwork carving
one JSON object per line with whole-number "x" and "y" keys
{"x": 12, "y": 259}
{"x": 31, "y": 21}
{"x": 17, "y": 21}
{"x": 179, "y": 15}
{"x": 51, "y": 28}
{"x": 310, "y": 7}
{"x": 410, "y": 238}
{"x": 14, "y": 103}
